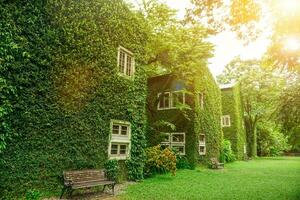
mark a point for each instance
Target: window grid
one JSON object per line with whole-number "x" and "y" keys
{"x": 176, "y": 141}
{"x": 125, "y": 62}
{"x": 202, "y": 144}
{"x": 225, "y": 121}
{"x": 169, "y": 100}
{"x": 119, "y": 149}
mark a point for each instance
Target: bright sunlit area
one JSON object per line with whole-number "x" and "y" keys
{"x": 150, "y": 99}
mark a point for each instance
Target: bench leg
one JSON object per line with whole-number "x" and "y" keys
{"x": 103, "y": 188}
{"x": 62, "y": 193}
{"x": 113, "y": 189}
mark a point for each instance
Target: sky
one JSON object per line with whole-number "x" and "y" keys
{"x": 227, "y": 46}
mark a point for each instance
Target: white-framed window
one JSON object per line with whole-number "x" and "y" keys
{"x": 164, "y": 101}
{"x": 202, "y": 146}
{"x": 225, "y": 121}
{"x": 201, "y": 100}
{"x": 125, "y": 62}
{"x": 169, "y": 100}
{"x": 178, "y": 97}
{"x": 175, "y": 141}
{"x": 119, "y": 140}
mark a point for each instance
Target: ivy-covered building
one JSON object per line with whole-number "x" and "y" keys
{"x": 184, "y": 114}
{"x": 80, "y": 91}
{"x": 232, "y": 119}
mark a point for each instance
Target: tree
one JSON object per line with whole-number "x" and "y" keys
{"x": 174, "y": 46}
{"x": 289, "y": 114}
{"x": 260, "y": 90}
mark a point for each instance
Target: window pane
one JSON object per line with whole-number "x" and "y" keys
{"x": 114, "y": 149}
{"x": 166, "y": 137}
{"x": 128, "y": 65}
{"x": 174, "y": 99}
{"x": 123, "y": 149}
{"x": 201, "y": 149}
{"x": 201, "y": 138}
{"x": 177, "y": 137}
{"x": 160, "y": 101}
{"x": 164, "y": 146}
{"x": 201, "y": 99}
{"x": 180, "y": 97}
{"x": 115, "y": 129}
{"x": 179, "y": 149}
{"x": 166, "y": 100}
{"x": 124, "y": 130}
{"x": 121, "y": 61}
{"x": 177, "y": 97}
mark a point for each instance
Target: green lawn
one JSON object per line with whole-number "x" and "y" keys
{"x": 264, "y": 178}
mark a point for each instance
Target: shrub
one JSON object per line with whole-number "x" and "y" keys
{"x": 159, "y": 160}
{"x": 182, "y": 162}
{"x": 111, "y": 169}
{"x": 33, "y": 195}
{"x": 227, "y": 153}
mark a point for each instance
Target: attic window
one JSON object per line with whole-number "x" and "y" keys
{"x": 125, "y": 62}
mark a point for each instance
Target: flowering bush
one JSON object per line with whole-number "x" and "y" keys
{"x": 159, "y": 160}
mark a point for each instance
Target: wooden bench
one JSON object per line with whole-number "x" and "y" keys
{"x": 85, "y": 179}
{"x": 215, "y": 164}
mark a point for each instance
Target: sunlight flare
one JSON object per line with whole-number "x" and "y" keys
{"x": 289, "y": 6}
{"x": 292, "y": 44}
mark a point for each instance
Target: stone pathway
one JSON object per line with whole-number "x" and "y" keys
{"x": 107, "y": 195}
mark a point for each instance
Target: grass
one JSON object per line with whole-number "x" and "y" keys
{"x": 260, "y": 179}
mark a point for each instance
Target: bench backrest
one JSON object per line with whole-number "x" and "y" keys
{"x": 81, "y": 176}
{"x": 214, "y": 161}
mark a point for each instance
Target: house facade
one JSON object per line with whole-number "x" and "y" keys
{"x": 232, "y": 119}
{"x": 184, "y": 115}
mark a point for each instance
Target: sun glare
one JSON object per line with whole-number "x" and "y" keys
{"x": 292, "y": 44}
{"x": 289, "y": 6}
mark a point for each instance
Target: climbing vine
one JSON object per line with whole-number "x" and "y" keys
{"x": 60, "y": 61}
{"x": 232, "y": 105}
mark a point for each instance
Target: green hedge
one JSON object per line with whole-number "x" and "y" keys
{"x": 232, "y": 105}
{"x": 61, "y": 59}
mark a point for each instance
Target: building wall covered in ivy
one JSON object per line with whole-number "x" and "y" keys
{"x": 59, "y": 60}
{"x": 196, "y": 114}
{"x": 232, "y": 119}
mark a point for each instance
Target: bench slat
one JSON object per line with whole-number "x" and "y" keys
{"x": 91, "y": 184}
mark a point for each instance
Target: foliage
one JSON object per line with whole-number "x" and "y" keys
{"x": 166, "y": 34}
{"x": 227, "y": 154}
{"x": 254, "y": 180}
{"x": 182, "y": 162}
{"x": 33, "y": 195}
{"x": 270, "y": 141}
{"x": 6, "y": 95}
{"x": 289, "y": 114}
{"x": 232, "y": 105}
{"x": 260, "y": 90}
{"x": 111, "y": 169}
{"x": 242, "y": 17}
{"x": 252, "y": 19}
{"x": 159, "y": 161}
{"x": 60, "y": 61}
{"x": 204, "y": 120}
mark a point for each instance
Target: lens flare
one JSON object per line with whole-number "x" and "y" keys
{"x": 292, "y": 44}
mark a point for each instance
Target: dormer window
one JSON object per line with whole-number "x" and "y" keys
{"x": 125, "y": 62}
